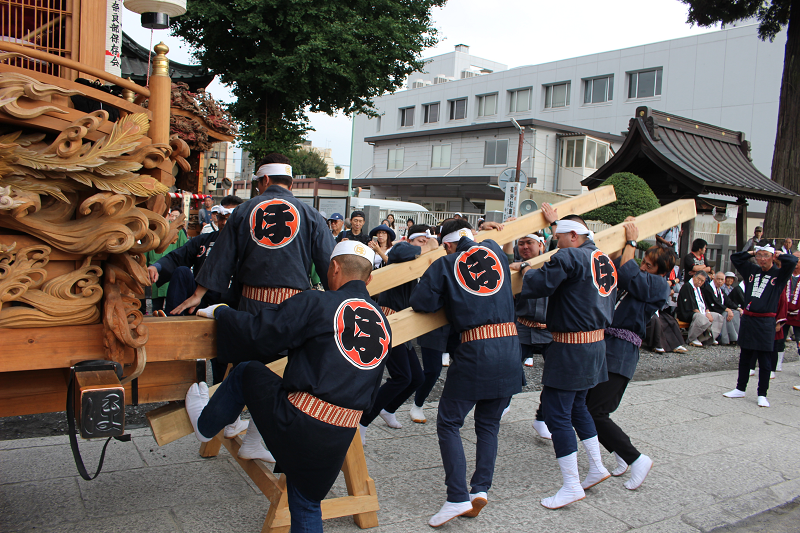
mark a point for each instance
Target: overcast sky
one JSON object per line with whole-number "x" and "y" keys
{"x": 514, "y": 32}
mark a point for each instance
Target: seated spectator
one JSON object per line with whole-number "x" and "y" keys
{"x": 696, "y": 260}
{"x": 735, "y": 298}
{"x": 730, "y": 281}
{"x": 381, "y": 240}
{"x": 715, "y": 302}
{"x": 703, "y": 324}
{"x": 664, "y": 334}
{"x": 787, "y": 246}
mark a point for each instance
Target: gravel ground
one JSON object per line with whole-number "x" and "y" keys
{"x": 651, "y": 366}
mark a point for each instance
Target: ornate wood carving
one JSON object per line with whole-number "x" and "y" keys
{"x": 14, "y": 86}
{"x": 68, "y": 299}
{"x": 126, "y": 277}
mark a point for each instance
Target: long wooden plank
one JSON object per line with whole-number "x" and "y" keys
{"x": 397, "y": 274}
{"x": 407, "y": 324}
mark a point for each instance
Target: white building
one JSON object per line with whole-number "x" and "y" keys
{"x": 446, "y": 142}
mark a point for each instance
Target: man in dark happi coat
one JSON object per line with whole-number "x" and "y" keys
{"x": 763, "y": 283}
{"x": 531, "y": 320}
{"x": 337, "y": 342}
{"x": 581, "y": 282}
{"x": 641, "y": 292}
{"x": 472, "y": 284}
{"x": 405, "y": 373}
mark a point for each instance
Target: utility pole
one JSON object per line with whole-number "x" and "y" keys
{"x": 518, "y": 176}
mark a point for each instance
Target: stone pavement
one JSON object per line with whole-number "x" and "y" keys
{"x": 717, "y": 461}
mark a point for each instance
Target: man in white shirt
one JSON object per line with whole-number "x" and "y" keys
{"x": 670, "y": 238}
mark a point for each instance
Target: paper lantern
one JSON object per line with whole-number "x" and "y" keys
{"x": 156, "y": 13}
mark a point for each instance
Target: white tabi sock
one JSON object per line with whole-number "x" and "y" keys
{"x": 779, "y": 368}
{"x": 417, "y": 414}
{"x": 252, "y": 447}
{"x": 735, "y": 393}
{"x": 479, "y": 501}
{"x": 449, "y": 511}
{"x": 445, "y": 359}
{"x": 363, "y": 431}
{"x": 390, "y": 419}
{"x": 597, "y": 470}
{"x": 196, "y": 400}
{"x": 639, "y": 470}
{"x": 752, "y": 372}
{"x": 762, "y": 401}
{"x": 540, "y": 427}
{"x": 238, "y": 427}
{"x": 621, "y": 468}
{"x": 528, "y": 361}
{"x": 571, "y": 490}
{"x": 505, "y": 411}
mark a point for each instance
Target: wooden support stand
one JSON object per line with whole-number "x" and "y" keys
{"x": 171, "y": 422}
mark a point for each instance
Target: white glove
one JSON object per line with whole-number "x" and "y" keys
{"x": 208, "y": 312}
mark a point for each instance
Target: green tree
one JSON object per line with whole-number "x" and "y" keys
{"x": 773, "y": 16}
{"x": 285, "y": 58}
{"x": 308, "y": 163}
{"x": 634, "y": 197}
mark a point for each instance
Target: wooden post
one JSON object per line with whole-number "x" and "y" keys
{"x": 741, "y": 224}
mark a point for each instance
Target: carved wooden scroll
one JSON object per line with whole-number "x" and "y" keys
{"x": 14, "y": 86}
{"x": 126, "y": 277}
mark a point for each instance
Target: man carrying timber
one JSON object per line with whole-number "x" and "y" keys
{"x": 472, "y": 284}
{"x": 641, "y": 292}
{"x": 531, "y": 316}
{"x": 337, "y": 342}
{"x": 581, "y": 282}
{"x": 764, "y": 282}
{"x": 268, "y": 245}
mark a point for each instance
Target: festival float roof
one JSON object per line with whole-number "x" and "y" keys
{"x": 682, "y": 158}
{"x": 134, "y": 65}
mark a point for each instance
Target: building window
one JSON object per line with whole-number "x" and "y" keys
{"x": 644, "y": 84}
{"x": 496, "y": 152}
{"x": 407, "y": 117}
{"x": 487, "y": 105}
{"x": 395, "y": 159}
{"x": 440, "y": 156}
{"x": 596, "y": 154}
{"x": 519, "y": 100}
{"x": 458, "y": 109}
{"x": 556, "y": 95}
{"x": 572, "y": 151}
{"x": 598, "y": 90}
{"x": 430, "y": 113}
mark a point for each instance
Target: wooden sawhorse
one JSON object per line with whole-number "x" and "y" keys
{"x": 171, "y": 422}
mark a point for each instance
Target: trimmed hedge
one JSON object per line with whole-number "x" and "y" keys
{"x": 634, "y": 197}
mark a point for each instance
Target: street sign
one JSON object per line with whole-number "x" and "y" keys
{"x": 511, "y": 203}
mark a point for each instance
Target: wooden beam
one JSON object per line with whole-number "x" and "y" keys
{"x": 399, "y": 273}
{"x": 408, "y": 324}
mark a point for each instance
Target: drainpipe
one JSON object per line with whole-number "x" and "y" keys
{"x": 557, "y": 159}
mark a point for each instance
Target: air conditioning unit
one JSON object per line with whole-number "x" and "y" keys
{"x": 467, "y": 74}
{"x": 417, "y": 84}
{"x": 440, "y": 79}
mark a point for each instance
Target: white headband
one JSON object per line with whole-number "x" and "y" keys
{"x": 273, "y": 169}
{"x": 566, "y": 226}
{"x": 767, "y": 248}
{"x": 456, "y": 235}
{"x": 354, "y": 248}
{"x": 222, "y": 210}
{"x": 534, "y": 237}
{"x": 415, "y": 235}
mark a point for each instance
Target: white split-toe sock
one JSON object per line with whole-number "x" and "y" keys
{"x": 762, "y": 401}
{"x": 772, "y": 375}
{"x": 445, "y": 359}
{"x": 196, "y": 400}
{"x": 505, "y": 411}
{"x": 238, "y": 427}
{"x": 417, "y": 414}
{"x": 449, "y": 511}
{"x": 752, "y": 372}
{"x": 779, "y": 368}
{"x": 479, "y": 501}
{"x": 251, "y": 445}
{"x": 735, "y": 393}
{"x": 540, "y": 427}
{"x": 621, "y": 468}
{"x": 529, "y": 361}
{"x": 390, "y": 419}
{"x": 363, "y": 431}
{"x": 571, "y": 491}
{"x": 639, "y": 470}
{"x": 597, "y": 470}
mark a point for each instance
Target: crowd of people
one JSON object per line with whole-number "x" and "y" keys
{"x": 584, "y": 312}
